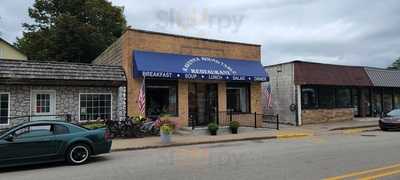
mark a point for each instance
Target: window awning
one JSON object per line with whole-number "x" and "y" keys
{"x": 174, "y": 66}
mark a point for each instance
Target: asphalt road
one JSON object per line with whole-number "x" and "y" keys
{"x": 305, "y": 158}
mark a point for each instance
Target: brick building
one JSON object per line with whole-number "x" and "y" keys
{"x": 306, "y": 92}
{"x": 194, "y": 80}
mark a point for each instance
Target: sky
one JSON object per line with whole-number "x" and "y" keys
{"x": 349, "y": 32}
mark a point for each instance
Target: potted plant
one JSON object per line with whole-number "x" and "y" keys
{"x": 165, "y": 133}
{"x": 234, "y": 126}
{"x": 167, "y": 127}
{"x": 213, "y": 128}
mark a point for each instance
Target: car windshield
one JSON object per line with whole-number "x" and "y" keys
{"x": 394, "y": 113}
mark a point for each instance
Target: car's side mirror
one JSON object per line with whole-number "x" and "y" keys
{"x": 9, "y": 138}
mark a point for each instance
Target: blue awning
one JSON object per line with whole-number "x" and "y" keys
{"x": 174, "y": 66}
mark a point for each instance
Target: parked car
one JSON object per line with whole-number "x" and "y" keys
{"x": 47, "y": 141}
{"x": 391, "y": 121}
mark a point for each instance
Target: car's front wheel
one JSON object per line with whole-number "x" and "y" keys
{"x": 78, "y": 154}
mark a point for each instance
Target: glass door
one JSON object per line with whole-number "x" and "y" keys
{"x": 44, "y": 105}
{"x": 203, "y": 103}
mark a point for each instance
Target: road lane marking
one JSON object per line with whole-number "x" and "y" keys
{"x": 377, "y": 171}
{"x": 390, "y": 173}
{"x": 354, "y": 131}
{"x": 294, "y": 134}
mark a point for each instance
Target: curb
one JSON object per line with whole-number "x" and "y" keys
{"x": 209, "y": 142}
{"x": 354, "y": 127}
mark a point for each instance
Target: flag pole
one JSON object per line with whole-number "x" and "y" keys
{"x": 144, "y": 91}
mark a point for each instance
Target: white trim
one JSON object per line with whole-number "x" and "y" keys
{"x": 54, "y": 102}
{"x": 79, "y": 105}
{"x": 299, "y": 105}
{"x": 9, "y": 107}
{"x": 30, "y": 104}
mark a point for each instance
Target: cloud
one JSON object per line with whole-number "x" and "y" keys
{"x": 353, "y": 32}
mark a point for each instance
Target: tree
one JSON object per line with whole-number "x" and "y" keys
{"x": 70, "y": 30}
{"x": 395, "y": 64}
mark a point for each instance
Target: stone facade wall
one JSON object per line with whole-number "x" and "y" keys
{"x": 312, "y": 116}
{"x": 283, "y": 92}
{"x": 67, "y": 100}
{"x": 19, "y": 103}
{"x": 121, "y": 102}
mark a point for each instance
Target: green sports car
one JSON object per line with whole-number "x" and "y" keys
{"x": 47, "y": 141}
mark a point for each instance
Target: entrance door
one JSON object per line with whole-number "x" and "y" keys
{"x": 44, "y": 105}
{"x": 203, "y": 103}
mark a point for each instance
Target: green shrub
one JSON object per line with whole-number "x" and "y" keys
{"x": 234, "y": 125}
{"x": 166, "y": 129}
{"x": 94, "y": 125}
{"x": 213, "y": 128}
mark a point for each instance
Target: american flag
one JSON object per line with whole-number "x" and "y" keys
{"x": 142, "y": 97}
{"x": 268, "y": 97}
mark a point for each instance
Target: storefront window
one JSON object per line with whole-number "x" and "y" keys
{"x": 327, "y": 97}
{"x": 343, "y": 97}
{"x": 355, "y": 101}
{"x": 366, "y": 101}
{"x": 387, "y": 100}
{"x": 237, "y": 97}
{"x": 397, "y": 99}
{"x": 161, "y": 98}
{"x": 376, "y": 102}
{"x": 95, "y": 106}
{"x": 309, "y": 97}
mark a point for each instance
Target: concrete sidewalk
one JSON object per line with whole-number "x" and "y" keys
{"x": 181, "y": 140}
{"x": 244, "y": 134}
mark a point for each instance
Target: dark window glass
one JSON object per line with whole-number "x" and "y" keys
{"x": 387, "y": 100}
{"x": 376, "y": 102}
{"x": 95, "y": 107}
{"x": 366, "y": 101}
{"x": 34, "y": 131}
{"x": 43, "y": 103}
{"x": 326, "y": 97}
{"x": 161, "y": 98}
{"x": 60, "y": 129}
{"x": 237, "y": 98}
{"x": 356, "y": 101}
{"x": 397, "y": 99}
{"x": 4, "y": 101}
{"x": 308, "y": 97}
{"x": 343, "y": 97}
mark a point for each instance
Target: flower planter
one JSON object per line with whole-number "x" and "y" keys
{"x": 165, "y": 137}
{"x": 234, "y": 130}
{"x": 213, "y": 133}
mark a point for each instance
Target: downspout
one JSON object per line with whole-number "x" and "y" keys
{"x": 299, "y": 120}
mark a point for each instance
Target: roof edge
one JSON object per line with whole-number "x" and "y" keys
{"x": 191, "y": 37}
{"x": 58, "y": 62}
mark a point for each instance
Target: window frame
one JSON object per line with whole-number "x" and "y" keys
{"x": 8, "y": 108}
{"x": 79, "y": 102}
{"x": 316, "y": 96}
{"x": 158, "y": 82}
{"x": 350, "y": 103}
{"x": 235, "y": 84}
{"x": 317, "y": 89}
